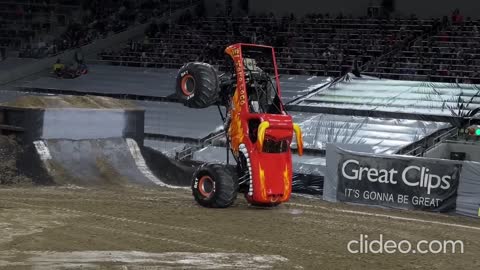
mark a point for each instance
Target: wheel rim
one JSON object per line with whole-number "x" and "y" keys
{"x": 188, "y": 85}
{"x": 206, "y": 186}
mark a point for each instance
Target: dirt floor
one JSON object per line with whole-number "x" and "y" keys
{"x": 137, "y": 228}
{"x": 10, "y": 151}
{"x": 67, "y": 101}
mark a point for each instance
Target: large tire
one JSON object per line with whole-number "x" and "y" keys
{"x": 214, "y": 186}
{"x": 197, "y": 85}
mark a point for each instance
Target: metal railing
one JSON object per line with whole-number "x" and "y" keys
{"x": 442, "y": 138}
{"x": 187, "y": 153}
{"x": 427, "y": 143}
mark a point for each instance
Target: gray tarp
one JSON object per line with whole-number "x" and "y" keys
{"x": 468, "y": 200}
{"x": 308, "y": 170}
{"x": 413, "y": 97}
{"x": 382, "y": 134}
{"x": 307, "y": 164}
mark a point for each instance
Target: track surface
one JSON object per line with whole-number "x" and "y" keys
{"x": 61, "y": 227}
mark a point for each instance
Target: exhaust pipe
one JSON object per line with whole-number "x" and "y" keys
{"x": 262, "y": 128}
{"x": 298, "y": 136}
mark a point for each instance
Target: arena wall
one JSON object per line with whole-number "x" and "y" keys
{"x": 471, "y": 150}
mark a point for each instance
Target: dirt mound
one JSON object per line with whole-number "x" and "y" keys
{"x": 10, "y": 152}
{"x": 65, "y": 101}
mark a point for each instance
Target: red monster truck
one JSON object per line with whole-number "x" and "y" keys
{"x": 259, "y": 130}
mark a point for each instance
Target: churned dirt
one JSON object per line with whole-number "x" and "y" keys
{"x": 66, "y": 101}
{"x": 137, "y": 228}
{"x": 10, "y": 152}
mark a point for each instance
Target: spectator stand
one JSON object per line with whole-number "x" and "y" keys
{"x": 99, "y": 19}
{"x": 313, "y": 45}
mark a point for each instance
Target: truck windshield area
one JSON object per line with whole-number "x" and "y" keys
{"x": 272, "y": 146}
{"x": 259, "y": 70}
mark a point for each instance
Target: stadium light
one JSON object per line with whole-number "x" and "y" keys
{"x": 471, "y": 131}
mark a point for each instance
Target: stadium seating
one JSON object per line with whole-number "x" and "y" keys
{"x": 40, "y": 28}
{"x": 23, "y": 22}
{"x": 312, "y": 45}
{"x": 318, "y": 44}
{"x": 451, "y": 54}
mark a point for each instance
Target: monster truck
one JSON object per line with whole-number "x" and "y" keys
{"x": 259, "y": 131}
{"x": 71, "y": 73}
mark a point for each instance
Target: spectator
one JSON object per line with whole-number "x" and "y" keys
{"x": 314, "y": 42}
{"x": 457, "y": 18}
{"x": 58, "y": 67}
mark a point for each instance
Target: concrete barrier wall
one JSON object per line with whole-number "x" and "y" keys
{"x": 80, "y": 124}
{"x": 443, "y": 150}
{"x": 468, "y": 198}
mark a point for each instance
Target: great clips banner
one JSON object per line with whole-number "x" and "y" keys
{"x": 411, "y": 183}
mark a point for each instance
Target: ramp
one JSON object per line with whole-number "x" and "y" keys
{"x": 100, "y": 162}
{"x": 88, "y": 141}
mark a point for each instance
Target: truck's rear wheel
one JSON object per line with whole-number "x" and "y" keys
{"x": 197, "y": 85}
{"x": 214, "y": 186}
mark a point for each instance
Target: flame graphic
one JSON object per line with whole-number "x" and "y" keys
{"x": 236, "y": 129}
{"x": 286, "y": 182}
{"x": 262, "y": 182}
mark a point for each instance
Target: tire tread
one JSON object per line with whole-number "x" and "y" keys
{"x": 207, "y": 88}
{"x": 226, "y": 186}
